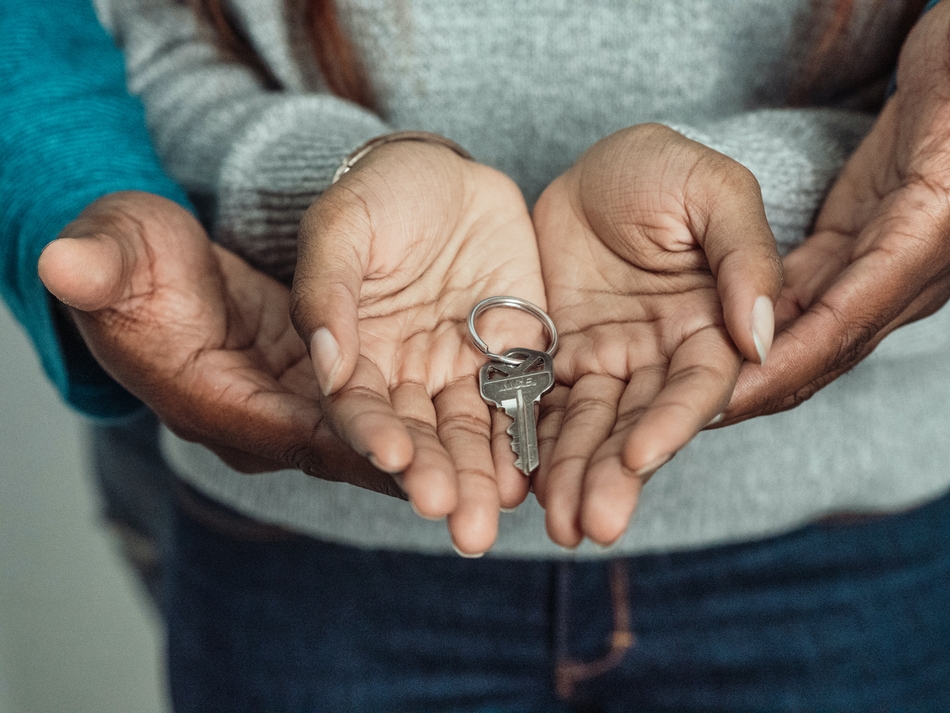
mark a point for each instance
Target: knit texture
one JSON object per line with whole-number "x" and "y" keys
{"x": 527, "y": 86}
{"x": 70, "y": 133}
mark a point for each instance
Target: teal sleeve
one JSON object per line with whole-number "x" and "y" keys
{"x": 70, "y": 133}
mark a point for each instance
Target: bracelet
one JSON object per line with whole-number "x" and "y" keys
{"x": 425, "y": 136}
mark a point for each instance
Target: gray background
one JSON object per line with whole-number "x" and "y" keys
{"x": 76, "y": 634}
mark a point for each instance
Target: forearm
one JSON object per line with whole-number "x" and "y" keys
{"x": 70, "y": 134}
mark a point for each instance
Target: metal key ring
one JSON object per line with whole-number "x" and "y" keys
{"x": 517, "y": 303}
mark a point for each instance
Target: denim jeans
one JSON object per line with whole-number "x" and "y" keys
{"x": 837, "y": 617}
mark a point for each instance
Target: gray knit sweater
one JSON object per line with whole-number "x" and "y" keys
{"x": 527, "y": 86}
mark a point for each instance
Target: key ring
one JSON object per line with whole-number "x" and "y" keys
{"x": 517, "y": 303}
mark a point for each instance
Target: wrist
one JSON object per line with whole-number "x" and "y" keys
{"x": 419, "y": 136}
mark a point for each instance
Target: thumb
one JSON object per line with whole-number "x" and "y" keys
{"x": 743, "y": 257}
{"x": 88, "y": 272}
{"x": 331, "y": 253}
{"x": 116, "y": 248}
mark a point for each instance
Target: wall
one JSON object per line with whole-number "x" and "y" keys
{"x": 76, "y": 635}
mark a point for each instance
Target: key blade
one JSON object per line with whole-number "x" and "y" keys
{"x": 529, "y": 435}
{"x": 510, "y": 407}
{"x": 514, "y": 430}
{"x": 516, "y": 389}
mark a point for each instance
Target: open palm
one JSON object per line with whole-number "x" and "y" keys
{"x": 660, "y": 272}
{"x": 391, "y": 261}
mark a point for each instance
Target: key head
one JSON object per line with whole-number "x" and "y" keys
{"x": 499, "y": 383}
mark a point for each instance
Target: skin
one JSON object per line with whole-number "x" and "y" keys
{"x": 391, "y": 260}
{"x": 651, "y": 277}
{"x": 393, "y": 279}
{"x": 879, "y": 257}
{"x": 200, "y": 337}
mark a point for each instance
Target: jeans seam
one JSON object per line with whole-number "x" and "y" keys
{"x": 569, "y": 672}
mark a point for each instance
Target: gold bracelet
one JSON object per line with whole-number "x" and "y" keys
{"x": 425, "y": 136}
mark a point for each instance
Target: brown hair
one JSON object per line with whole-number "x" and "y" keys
{"x": 339, "y": 64}
{"x": 828, "y": 32}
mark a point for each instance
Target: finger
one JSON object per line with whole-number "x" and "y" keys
{"x": 610, "y": 489}
{"x": 588, "y": 421}
{"x": 333, "y": 243}
{"x": 810, "y": 270}
{"x": 429, "y": 481}
{"x": 119, "y": 247}
{"x": 851, "y": 312}
{"x": 811, "y": 353}
{"x": 610, "y": 493}
{"x": 550, "y": 418}
{"x": 326, "y": 457}
{"x": 262, "y": 429}
{"x": 245, "y": 462}
{"x": 465, "y": 431}
{"x": 731, "y": 226}
{"x": 701, "y": 377}
{"x": 362, "y": 415}
{"x": 88, "y": 273}
{"x": 813, "y": 267}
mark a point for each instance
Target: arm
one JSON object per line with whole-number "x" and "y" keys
{"x": 70, "y": 134}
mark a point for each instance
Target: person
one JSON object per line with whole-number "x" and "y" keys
{"x": 77, "y": 161}
{"x": 413, "y": 225}
{"x": 662, "y": 679}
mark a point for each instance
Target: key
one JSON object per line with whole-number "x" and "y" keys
{"x": 516, "y": 389}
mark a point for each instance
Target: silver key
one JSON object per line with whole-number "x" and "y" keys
{"x": 516, "y": 389}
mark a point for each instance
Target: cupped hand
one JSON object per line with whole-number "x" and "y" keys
{"x": 200, "y": 337}
{"x": 391, "y": 260}
{"x": 879, "y": 256}
{"x": 661, "y": 272}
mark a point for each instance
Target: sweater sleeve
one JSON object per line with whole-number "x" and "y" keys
{"x": 70, "y": 134}
{"x": 252, "y": 155}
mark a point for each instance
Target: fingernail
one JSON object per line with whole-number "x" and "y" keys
{"x": 437, "y": 518}
{"x": 652, "y": 466}
{"x": 610, "y": 545}
{"x": 395, "y": 475}
{"x": 325, "y": 353}
{"x": 509, "y": 510}
{"x": 763, "y": 326}
{"x": 715, "y": 419}
{"x": 467, "y": 555}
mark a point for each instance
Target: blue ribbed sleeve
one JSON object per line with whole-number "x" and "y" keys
{"x": 69, "y": 134}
